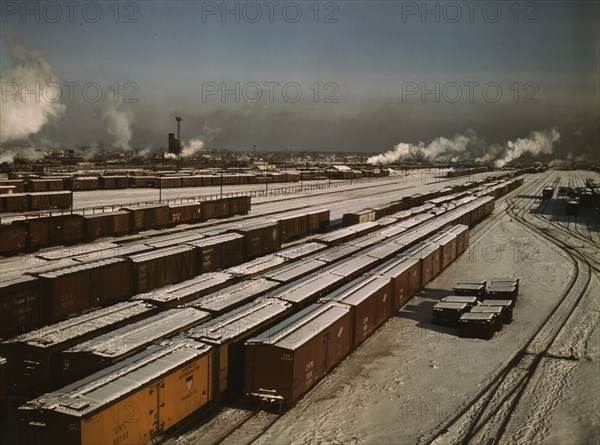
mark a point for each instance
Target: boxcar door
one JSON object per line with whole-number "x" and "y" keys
{"x": 154, "y": 409}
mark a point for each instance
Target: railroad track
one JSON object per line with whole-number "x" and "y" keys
{"x": 571, "y": 229}
{"x": 486, "y": 418}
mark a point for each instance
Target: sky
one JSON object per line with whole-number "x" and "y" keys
{"x": 358, "y": 76}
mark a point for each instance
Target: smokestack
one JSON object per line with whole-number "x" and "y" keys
{"x": 178, "y": 119}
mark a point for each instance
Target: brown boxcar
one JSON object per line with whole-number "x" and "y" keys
{"x": 104, "y": 350}
{"x": 169, "y": 182}
{"x": 295, "y": 270}
{"x": 371, "y": 301}
{"x": 260, "y": 238}
{"x": 66, "y": 229}
{"x": 189, "y": 290}
{"x": 130, "y": 403}
{"x": 50, "y": 200}
{"x": 209, "y": 253}
{"x": 239, "y": 205}
{"x": 18, "y": 184}
{"x": 65, "y": 291}
{"x": 110, "y": 281}
{"x": 318, "y": 219}
{"x": 160, "y": 267}
{"x": 107, "y": 182}
{"x": 185, "y": 213}
{"x": 105, "y": 224}
{"x": 426, "y": 258}
{"x": 148, "y": 217}
{"x": 288, "y": 359}
{"x": 222, "y": 208}
{"x": 300, "y": 250}
{"x": 14, "y": 202}
{"x": 462, "y": 237}
{"x": 13, "y": 238}
{"x": 257, "y": 266}
{"x": 309, "y": 289}
{"x": 82, "y": 183}
{"x": 191, "y": 181}
{"x": 228, "y": 332}
{"x": 209, "y": 210}
{"x": 292, "y": 226}
{"x": 352, "y": 267}
{"x": 143, "y": 181}
{"x": 406, "y": 278}
{"x": 35, "y": 357}
{"x": 20, "y": 304}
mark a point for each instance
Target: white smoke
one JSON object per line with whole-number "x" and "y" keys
{"x": 23, "y": 114}
{"x": 469, "y": 147}
{"x": 170, "y": 156}
{"x": 191, "y": 147}
{"x": 119, "y": 121}
{"x": 440, "y": 149}
{"x": 538, "y": 142}
{"x": 194, "y": 145}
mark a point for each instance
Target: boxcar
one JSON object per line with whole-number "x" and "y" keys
{"x": 13, "y": 238}
{"x": 227, "y": 334}
{"x": 185, "y": 213}
{"x": 257, "y": 266}
{"x": 160, "y": 267}
{"x": 129, "y": 403}
{"x": 14, "y": 202}
{"x": 288, "y": 359}
{"x": 20, "y": 304}
{"x": 35, "y": 357}
{"x": 297, "y": 269}
{"x": 234, "y": 296}
{"x": 112, "y": 347}
{"x": 309, "y": 289}
{"x": 178, "y": 294}
{"x": 405, "y": 274}
{"x": 371, "y": 301}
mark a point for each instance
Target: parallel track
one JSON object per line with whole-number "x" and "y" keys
{"x": 486, "y": 417}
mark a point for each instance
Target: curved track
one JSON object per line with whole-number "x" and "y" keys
{"x": 486, "y": 417}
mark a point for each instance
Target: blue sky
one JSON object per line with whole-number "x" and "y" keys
{"x": 370, "y": 52}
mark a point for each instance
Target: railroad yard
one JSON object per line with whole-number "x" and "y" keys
{"x": 303, "y": 314}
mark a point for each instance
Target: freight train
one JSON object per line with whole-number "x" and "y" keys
{"x": 75, "y": 280}
{"x": 242, "y": 331}
{"x": 35, "y": 233}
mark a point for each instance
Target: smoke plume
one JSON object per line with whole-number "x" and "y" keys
{"x": 191, "y": 148}
{"x": 119, "y": 121}
{"x": 538, "y": 142}
{"x": 469, "y": 147}
{"x": 28, "y": 100}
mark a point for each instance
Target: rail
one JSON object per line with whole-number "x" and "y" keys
{"x": 277, "y": 191}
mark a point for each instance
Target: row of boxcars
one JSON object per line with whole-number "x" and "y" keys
{"x": 427, "y": 201}
{"x": 171, "y": 180}
{"x": 105, "y": 273}
{"x": 467, "y": 172}
{"x": 24, "y": 202}
{"x": 34, "y": 233}
{"x": 267, "y": 328}
{"x": 175, "y": 349}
